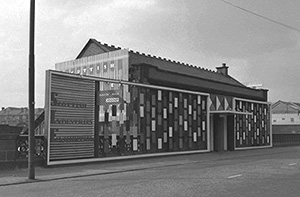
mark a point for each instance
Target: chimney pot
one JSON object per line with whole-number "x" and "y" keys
{"x": 223, "y": 69}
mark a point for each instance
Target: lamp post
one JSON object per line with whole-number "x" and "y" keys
{"x": 31, "y": 139}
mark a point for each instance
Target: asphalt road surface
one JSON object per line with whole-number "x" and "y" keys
{"x": 275, "y": 174}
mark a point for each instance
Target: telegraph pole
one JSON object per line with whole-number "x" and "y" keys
{"x": 31, "y": 139}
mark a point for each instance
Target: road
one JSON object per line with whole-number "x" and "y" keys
{"x": 274, "y": 174}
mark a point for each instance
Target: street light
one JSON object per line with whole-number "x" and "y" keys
{"x": 31, "y": 139}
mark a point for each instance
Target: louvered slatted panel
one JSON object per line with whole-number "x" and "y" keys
{"x": 72, "y": 118}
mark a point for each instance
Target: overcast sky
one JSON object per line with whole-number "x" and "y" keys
{"x": 204, "y": 33}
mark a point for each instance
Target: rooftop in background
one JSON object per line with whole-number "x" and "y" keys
{"x": 17, "y": 116}
{"x": 283, "y": 107}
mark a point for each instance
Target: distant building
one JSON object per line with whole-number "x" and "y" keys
{"x": 286, "y": 117}
{"x": 14, "y": 116}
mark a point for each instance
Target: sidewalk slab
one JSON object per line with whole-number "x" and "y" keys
{"x": 20, "y": 176}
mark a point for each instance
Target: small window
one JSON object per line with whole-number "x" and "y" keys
{"x": 274, "y": 120}
{"x": 283, "y": 118}
{"x": 292, "y": 119}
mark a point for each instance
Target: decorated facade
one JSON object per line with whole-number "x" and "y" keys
{"x": 111, "y": 103}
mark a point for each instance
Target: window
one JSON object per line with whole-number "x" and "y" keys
{"x": 292, "y": 119}
{"x": 274, "y": 120}
{"x": 283, "y": 118}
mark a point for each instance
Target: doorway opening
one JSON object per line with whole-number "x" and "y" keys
{"x": 222, "y": 132}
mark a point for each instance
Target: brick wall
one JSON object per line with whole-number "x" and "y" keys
{"x": 8, "y": 140}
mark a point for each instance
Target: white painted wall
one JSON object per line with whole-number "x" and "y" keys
{"x": 283, "y": 119}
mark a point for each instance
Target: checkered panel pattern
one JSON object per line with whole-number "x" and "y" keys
{"x": 154, "y": 121}
{"x": 252, "y": 130}
{"x": 172, "y": 121}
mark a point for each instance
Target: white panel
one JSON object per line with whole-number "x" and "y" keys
{"x": 199, "y": 99}
{"x": 175, "y": 102}
{"x": 170, "y": 132}
{"x": 203, "y": 125}
{"x": 165, "y": 113}
{"x": 190, "y": 110}
{"x": 159, "y": 143}
{"x": 159, "y": 95}
{"x": 153, "y": 125}
{"x": 141, "y": 111}
{"x": 185, "y": 125}
{"x": 114, "y": 139}
{"x": 134, "y": 142}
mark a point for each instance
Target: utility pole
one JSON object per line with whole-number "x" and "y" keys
{"x": 31, "y": 139}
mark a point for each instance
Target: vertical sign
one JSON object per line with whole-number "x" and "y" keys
{"x": 70, "y": 113}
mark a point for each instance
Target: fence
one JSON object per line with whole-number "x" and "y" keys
{"x": 286, "y": 139}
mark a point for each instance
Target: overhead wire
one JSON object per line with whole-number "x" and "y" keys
{"x": 261, "y": 16}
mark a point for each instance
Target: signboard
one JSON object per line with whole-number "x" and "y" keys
{"x": 70, "y": 114}
{"x": 110, "y": 97}
{"x": 113, "y": 65}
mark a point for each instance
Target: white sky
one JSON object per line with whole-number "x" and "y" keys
{"x": 204, "y": 33}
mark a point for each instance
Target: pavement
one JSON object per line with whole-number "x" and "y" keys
{"x": 42, "y": 174}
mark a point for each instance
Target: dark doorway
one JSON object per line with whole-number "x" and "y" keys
{"x": 223, "y": 132}
{"x": 219, "y": 129}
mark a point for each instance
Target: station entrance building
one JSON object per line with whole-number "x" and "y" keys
{"x": 111, "y": 103}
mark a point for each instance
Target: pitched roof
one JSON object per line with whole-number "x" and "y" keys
{"x": 285, "y": 107}
{"x": 14, "y": 111}
{"x": 161, "y": 63}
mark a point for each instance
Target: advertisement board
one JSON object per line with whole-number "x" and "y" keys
{"x": 70, "y": 114}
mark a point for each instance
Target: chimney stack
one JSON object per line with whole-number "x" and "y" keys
{"x": 223, "y": 69}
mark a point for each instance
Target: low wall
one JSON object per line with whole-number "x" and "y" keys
{"x": 8, "y": 139}
{"x": 14, "y": 148}
{"x": 286, "y": 139}
{"x": 286, "y": 129}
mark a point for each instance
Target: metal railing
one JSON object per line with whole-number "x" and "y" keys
{"x": 22, "y": 147}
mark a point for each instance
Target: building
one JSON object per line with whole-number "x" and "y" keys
{"x": 111, "y": 103}
{"x": 286, "y": 117}
{"x": 17, "y": 116}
